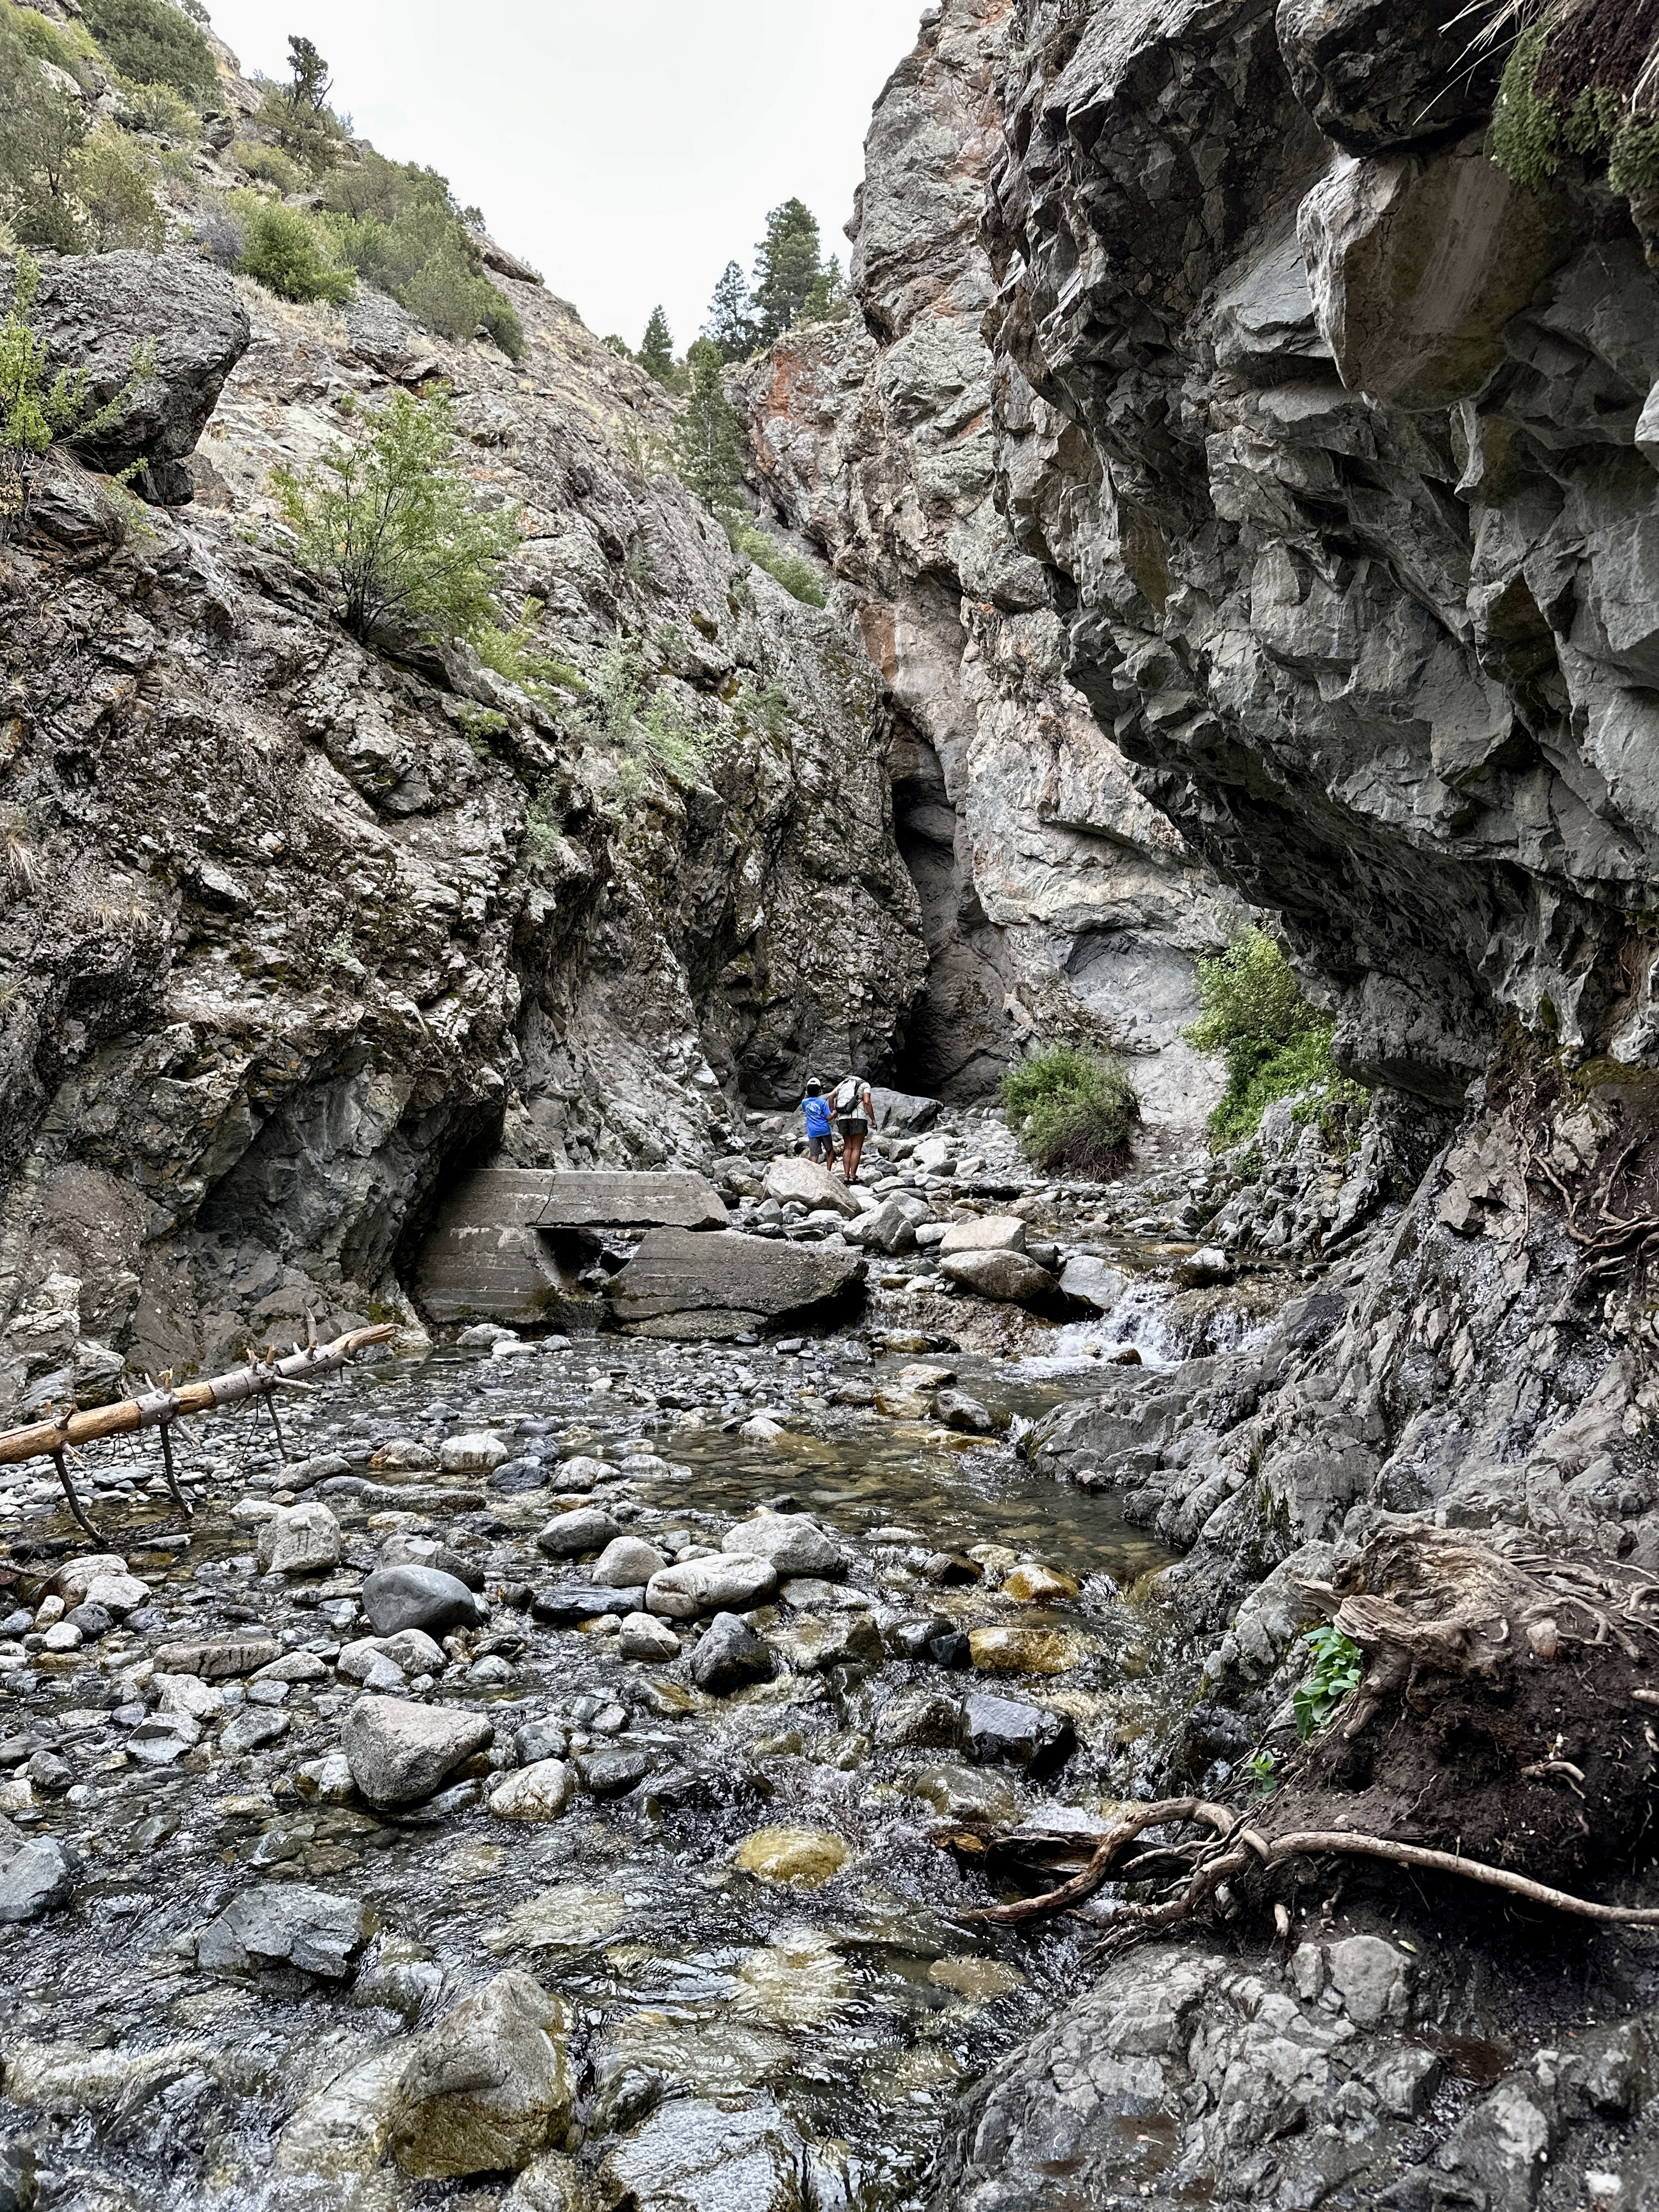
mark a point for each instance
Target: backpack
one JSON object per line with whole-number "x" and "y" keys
{"x": 846, "y": 1100}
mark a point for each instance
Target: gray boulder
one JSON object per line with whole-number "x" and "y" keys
{"x": 628, "y": 1562}
{"x": 285, "y": 1923}
{"x": 807, "y": 1183}
{"x": 1009, "y": 1277}
{"x": 35, "y": 1878}
{"x": 488, "y": 2087}
{"x": 399, "y": 1752}
{"x": 567, "y": 1535}
{"x": 734, "y": 1578}
{"x": 684, "y": 1285}
{"x": 903, "y": 1110}
{"x": 729, "y": 1656}
{"x": 892, "y": 1227}
{"x": 1008, "y": 1728}
{"x": 1093, "y": 1282}
{"x": 957, "y": 1410}
{"x": 745, "y": 2158}
{"x": 793, "y": 1542}
{"x": 404, "y": 1550}
{"x": 95, "y": 310}
{"x": 299, "y": 1540}
{"x": 418, "y": 1597}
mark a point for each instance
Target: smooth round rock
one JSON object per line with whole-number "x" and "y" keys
{"x": 806, "y": 1858}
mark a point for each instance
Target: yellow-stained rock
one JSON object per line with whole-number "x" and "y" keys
{"x": 976, "y": 1977}
{"x": 806, "y": 1856}
{"x": 1035, "y": 1585}
{"x": 1015, "y": 1650}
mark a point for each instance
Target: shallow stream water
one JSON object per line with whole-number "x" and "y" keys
{"x": 861, "y": 2005}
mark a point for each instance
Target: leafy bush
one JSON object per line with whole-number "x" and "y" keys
{"x": 798, "y": 578}
{"x": 1273, "y": 1044}
{"x": 1338, "y": 1665}
{"x": 150, "y": 43}
{"x": 674, "y": 741}
{"x": 393, "y": 526}
{"x": 159, "y": 109}
{"x": 290, "y": 253}
{"x": 42, "y": 127}
{"x": 515, "y": 654}
{"x": 1072, "y": 1109}
{"x": 36, "y": 413}
{"x": 67, "y": 46}
{"x": 267, "y": 165}
{"x": 398, "y": 226}
{"x": 114, "y": 195}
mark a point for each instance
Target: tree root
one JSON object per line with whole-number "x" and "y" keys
{"x": 1241, "y": 1846}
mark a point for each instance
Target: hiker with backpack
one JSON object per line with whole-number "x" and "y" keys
{"x": 855, "y": 1117}
{"x": 815, "y": 1110}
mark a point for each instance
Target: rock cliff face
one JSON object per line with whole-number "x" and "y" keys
{"x": 292, "y": 927}
{"x": 1056, "y": 898}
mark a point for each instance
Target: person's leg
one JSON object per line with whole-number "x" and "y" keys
{"x": 850, "y": 1157}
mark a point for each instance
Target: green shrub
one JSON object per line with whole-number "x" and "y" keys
{"x": 67, "y": 46}
{"x": 1275, "y": 1045}
{"x": 1338, "y": 1666}
{"x": 290, "y": 253}
{"x": 392, "y": 525}
{"x": 42, "y": 128}
{"x": 798, "y": 578}
{"x": 398, "y": 226}
{"x": 113, "y": 190}
{"x": 149, "y": 42}
{"x": 515, "y": 654}
{"x": 674, "y": 741}
{"x": 267, "y": 165}
{"x": 1072, "y": 1109}
{"x": 159, "y": 109}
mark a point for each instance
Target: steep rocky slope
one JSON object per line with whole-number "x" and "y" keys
{"x": 1057, "y": 899}
{"x": 290, "y": 926}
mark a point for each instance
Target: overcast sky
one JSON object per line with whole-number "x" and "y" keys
{"x": 630, "y": 149}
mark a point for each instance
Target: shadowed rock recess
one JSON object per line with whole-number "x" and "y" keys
{"x": 981, "y": 1690}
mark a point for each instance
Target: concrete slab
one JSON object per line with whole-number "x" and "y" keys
{"x": 696, "y": 1287}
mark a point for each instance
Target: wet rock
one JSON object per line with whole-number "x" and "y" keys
{"x": 399, "y": 1752}
{"x": 965, "y": 1414}
{"x": 36, "y": 1877}
{"x": 220, "y": 1660}
{"x": 17, "y": 2177}
{"x": 92, "y": 1620}
{"x": 814, "y": 1644}
{"x": 539, "y": 1791}
{"x": 407, "y": 1550}
{"x": 804, "y": 1182}
{"x": 488, "y": 2087}
{"x": 965, "y": 1793}
{"x": 729, "y": 1656}
{"x": 891, "y": 1229}
{"x": 950, "y": 1569}
{"x": 1021, "y": 1650}
{"x": 793, "y": 1542}
{"x": 628, "y": 1562}
{"x": 918, "y": 1717}
{"x": 396, "y": 1598}
{"x": 992, "y": 1232}
{"x": 1008, "y": 1278}
{"x": 1372, "y": 1979}
{"x": 690, "y": 2155}
{"x": 73, "y": 1581}
{"x": 251, "y": 1730}
{"x": 581, "y": 1471}
{"x": 909, "y": 1639}
{"x": 1025, "y": 1735}
{"x": 731, "y": 1581}
{"x": 805, "y": 1857}
{"x": 612, "y": 1773}
{"x": 1035, "y": 1585}
{"x": 299, "y": 1540}
{"x": 686, "y": 1285}
{"x": 565, "y": 1605}
{"x": 404, "y": 1455}
{"x": 539, "y": 1740}
{"x": 551, "y": 2183}
{"x": 645, "y": 1637}
{"x": 478, "y": 1453}
{"x": 569, "y": 1535}
{"x": 285, "y": 1923}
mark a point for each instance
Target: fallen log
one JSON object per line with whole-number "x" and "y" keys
{"x": 160, "y": 1408}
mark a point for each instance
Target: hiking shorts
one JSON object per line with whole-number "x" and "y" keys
{"x": 853, "y": 1125}
{"x": 820, "y": 1148}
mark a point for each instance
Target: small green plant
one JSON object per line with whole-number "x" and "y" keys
{"x": 798, "y": 578}
{"x": 160, "y": 110}
{"x": 674, "y": 741}
{"x": 393, "y": 526}
{"x": 1072, "y": 1109}
{"x": 290, "y": 253}
{"x": 480, "y": 724}
{"x": 516, "y": 654}
{"x": 339, "y": 950}
{"x": 1275, "y": 1045}
{"x": 1263, "y": 1769}
{"x": 543, "y": 822}
{"x": 1338, "y": 1664}
{"x": 38, "y": 412}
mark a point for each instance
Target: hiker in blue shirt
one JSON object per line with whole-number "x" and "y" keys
{"x": 820, "y": 1144}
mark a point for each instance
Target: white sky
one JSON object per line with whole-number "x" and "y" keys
{"x": 628, "y": 149}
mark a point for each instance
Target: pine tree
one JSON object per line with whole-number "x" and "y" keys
{"x": 311, "y": 82}
{"x": 730, "y": 322}
{"x": 708, "y": 452}
{"x": 656, "y": 354}
{"x": 827, "y": 300}
{"x": 788, "y": 268}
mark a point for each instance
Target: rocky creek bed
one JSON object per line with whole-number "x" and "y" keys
{"x": 292, "y": 1909}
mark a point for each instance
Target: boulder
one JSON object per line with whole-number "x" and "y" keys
{"x": 695, "y": 2156}
{"x": 566, "y": 1605}
{"x": 1007, "y": 1277}
{"x": 903, "y": 1110}
{"x": 94, "y": 311}
{"x": 567, "y": 1535}
{"x": 1035, "y": 1585}
{"x": 685, "y": 1286}
{"x": 793, "y": 1542}
{"x": 480, "y": 1453}
{"x": 285, "y": 1923}
{"x": 730, "y": 1656}
{"x": 808, "y": 1858}
{"x": 891, "y": 1229}
{"x": 957, "y": 1410}
{"x": 399, "y": 1752}
{"x": 1093, "y": 1282}
{"x": 612, "y": 1773}
{"x": 733, "y": 1581}
{"x": 645, "y": 1637}
{"x": 75, "y": 1578}
{"x": 250, "y": 1729}
{"x": 992, "y": 1232}
{"x": 406, "y": 1550}
{"x": 538, "y": 1792}
{"x": 396, "y": 1598}
{"x": 627, "y": 1563}
{"x": 804, "y": 1182}
{"x": 219, "y": 1659}
{"x": 1020, "y": 1651}
{"x": 299, "y": 1540}
{"x": 488, "y": 2087}
{"x": 1007, "y": 1728}
{"x": 35, "y": 1878}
